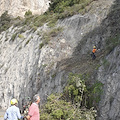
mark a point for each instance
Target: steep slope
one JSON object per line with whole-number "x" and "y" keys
{"x": 26, "y": 68}
{"x": 106, "y": 67}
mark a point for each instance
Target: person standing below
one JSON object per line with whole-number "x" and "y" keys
{"x": 93, "y": 53}
{"x": 33, "y": 113}
{"x": 13, "y": 112}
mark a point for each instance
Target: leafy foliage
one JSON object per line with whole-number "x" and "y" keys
{"x": 13, "y": 36}
{"x": 20, "y": 36}
{"x": 94, "y": 93}
{"x": 75, "y": 103}
{"x": 28, "y": 13}
{"x": 59, "y": 6}
{"x": 75, "y": 89}
{"x": 58, "y": 109}
{"x": 4, "y": 21}
{"x": 59, "y": 9}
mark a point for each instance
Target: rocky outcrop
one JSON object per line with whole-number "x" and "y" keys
{"x": 26, "y": 68}
{"x": 19, "y": 7}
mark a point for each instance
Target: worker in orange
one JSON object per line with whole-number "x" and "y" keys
{"x": 93, "y": 52}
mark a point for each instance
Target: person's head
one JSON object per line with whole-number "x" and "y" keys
{"x": 13, "y": 101}
{"x": 36, "y": 98}
{"x": 94, "y": 47}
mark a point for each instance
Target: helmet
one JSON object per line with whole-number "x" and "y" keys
{"x": 13, "y": 101}
{"x": 94, "y": 47}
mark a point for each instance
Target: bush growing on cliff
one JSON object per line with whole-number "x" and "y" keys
{"x": 58, "y": 9}
{"x": 52, "y": 33}
{"x": 5, "y": 21}
{"x": 58, "y": 109}
{"x": 73, "y": 103}
{"x": 28, "y": 13}
{"x": 78, "y": 91}
{"x": 13, "y": 37}
{"x": 59, "y": 6}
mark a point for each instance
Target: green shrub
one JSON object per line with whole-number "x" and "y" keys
{"x": 41, "y": 45}
{"x": 58, "y": 109}
{"x": 52, "y": 23}
{"x": 28, "y": 13}
{"x": 76, "y": 91}
{"x": 20, "y": 36}
{"x": 5, "y": 17}
{"x": 94, "y": 92}
{"x": 13, "y": 36}
{"x": 69, "y": 104}
{"x": 28, "y": 20}
{"x": 34, "y": 28}
{"x": 52, "y": 33}
{"x": 46, "y": 38}
{"x": 58, "y": 9}
{"x": 59, "y": 6}
{"x": 5, "y": 21}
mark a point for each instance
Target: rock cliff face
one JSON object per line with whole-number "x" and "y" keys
{"x": 19, "y": 7}
{"x": 26, "y": 69}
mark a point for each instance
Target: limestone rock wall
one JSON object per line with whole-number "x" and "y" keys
{"x": 19, "y": 7}
{"x": 25, "y": 69}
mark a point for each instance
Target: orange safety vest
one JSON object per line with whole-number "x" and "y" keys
{"x": 94, "y": 50}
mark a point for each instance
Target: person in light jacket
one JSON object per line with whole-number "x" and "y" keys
{"x": 13, "y": 112}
